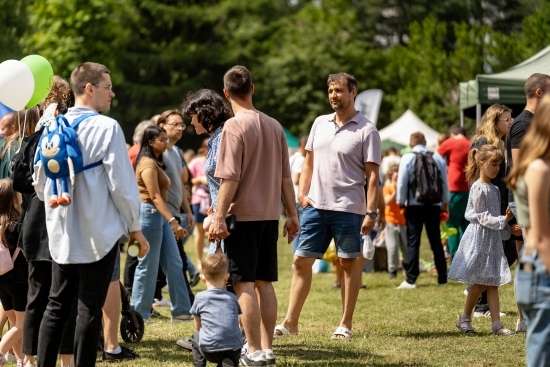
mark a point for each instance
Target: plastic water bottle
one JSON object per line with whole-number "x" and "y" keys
{"x": 368, "y": 248}
{"x": 133, "y": 249}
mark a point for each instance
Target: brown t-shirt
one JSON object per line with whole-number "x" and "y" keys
{"x": 163, "y": 180}
{"x": 254, "y": 151}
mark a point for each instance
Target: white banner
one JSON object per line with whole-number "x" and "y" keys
{"x": 368, "y": 103}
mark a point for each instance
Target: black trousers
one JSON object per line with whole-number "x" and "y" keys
{"x": 200, "y": 356}
{"x": 417, "y": 217}
{"x": 89, "y": 283}
{"x": 40, "y": 280}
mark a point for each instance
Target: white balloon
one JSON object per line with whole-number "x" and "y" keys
{"x": 16, "y": 84}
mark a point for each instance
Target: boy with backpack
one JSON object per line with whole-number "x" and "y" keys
{"x": 422, "y": 188}
{"x": 218, "y": 337}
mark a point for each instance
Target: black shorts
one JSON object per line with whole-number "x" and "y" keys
{"x": 252, "y": 251}
{"x": 13, "y": 295}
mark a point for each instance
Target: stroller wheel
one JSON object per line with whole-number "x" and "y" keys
{"x": 132, "y": 332}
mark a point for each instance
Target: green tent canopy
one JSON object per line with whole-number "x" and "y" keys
{"x": 505, "y": 87}
{"x": 291, "y": 140}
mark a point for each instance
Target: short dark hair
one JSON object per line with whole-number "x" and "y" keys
{"x": 209, "y": 107}
{"x": 455, "y": 130}
{"x": 145, "y": 150}
{"x": 417, "y": 138}
{"x": 337, "y": 78}
{"x": 214, "y": 267}
{"x": 237, "y": 81}
{"x": 534, "y": 82}
{"x": 88, "y": 72}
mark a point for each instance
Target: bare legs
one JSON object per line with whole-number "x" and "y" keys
{"x": 301, "y": 285}
{"x": 259, "y": 306}
{"x": 14, "y": 337}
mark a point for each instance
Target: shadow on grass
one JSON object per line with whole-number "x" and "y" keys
{"x": 340, "y": 355}
{"x": 295, "y": 354}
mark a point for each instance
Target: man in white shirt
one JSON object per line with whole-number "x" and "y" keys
{"x": 84, "y": 235}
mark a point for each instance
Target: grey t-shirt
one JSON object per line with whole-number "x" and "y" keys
{"x": 219, "y": 312}
{"x": 174, "y": 168}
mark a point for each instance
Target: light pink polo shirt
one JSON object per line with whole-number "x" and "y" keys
{"x": 339, "y": 157}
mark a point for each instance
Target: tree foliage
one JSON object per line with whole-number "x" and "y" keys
{"x": 416, "y": 51}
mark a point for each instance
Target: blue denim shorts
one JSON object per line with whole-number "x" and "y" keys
{"x": 319, "y": 227}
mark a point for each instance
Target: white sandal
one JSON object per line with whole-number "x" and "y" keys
{"x": 341, "y": 333}
{"x": 280, "y": 331}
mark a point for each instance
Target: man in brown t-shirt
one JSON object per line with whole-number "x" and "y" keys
{"x": 254, "y": 168}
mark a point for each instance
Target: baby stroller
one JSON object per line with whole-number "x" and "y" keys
{"x": 132, "y": 325}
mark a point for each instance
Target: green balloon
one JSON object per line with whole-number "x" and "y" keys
{"x": 43, "y": 73}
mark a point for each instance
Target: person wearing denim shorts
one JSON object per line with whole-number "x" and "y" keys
{"x": 343, "y": 152}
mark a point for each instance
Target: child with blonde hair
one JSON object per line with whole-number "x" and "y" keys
{"x": 480, "y": 260}
{"x": 218, "y": 337}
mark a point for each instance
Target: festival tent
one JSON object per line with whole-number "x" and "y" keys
{"x": 401, "y": 129}
{"x": 291, "y": 140}
{"x": 502, "y": 88}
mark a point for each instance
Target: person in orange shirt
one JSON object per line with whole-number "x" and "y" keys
{"x": 396, "y": 229}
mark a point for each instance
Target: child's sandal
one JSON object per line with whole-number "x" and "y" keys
{"x": 465, "y": 326}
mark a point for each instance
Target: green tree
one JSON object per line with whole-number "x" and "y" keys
{"x": 13, "y": 24}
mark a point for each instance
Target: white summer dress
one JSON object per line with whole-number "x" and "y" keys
{"x": 480, "y": 257}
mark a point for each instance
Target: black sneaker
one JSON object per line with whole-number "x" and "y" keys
{"x": 227, "y": 363}
{"x": 195, "y": 278}
{"x": 155, "y": 314}
{"x": 392, "y": 275}
{"x": 125, "y": 353}
{"x": 247, "y": 361}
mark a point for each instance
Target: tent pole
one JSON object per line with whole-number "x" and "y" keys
{"x": 478, "y": 114}
{"x": 461, "y": 118}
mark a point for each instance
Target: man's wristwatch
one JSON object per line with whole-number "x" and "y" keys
{"x": 373, "y": 215}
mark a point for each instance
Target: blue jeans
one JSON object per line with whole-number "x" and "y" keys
{"x": 533, "y": 295}
{"x": 163, "y": 249}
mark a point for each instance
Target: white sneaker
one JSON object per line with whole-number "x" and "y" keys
{"x": 406, "y": 285}
{"x": 521, "y": 326}
{"x": 10, "y": 358}
{"x": 163, "y": 302}
{"x": 486, "y": 314}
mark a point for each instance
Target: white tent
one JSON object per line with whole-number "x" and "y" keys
{"x": 401, "y": 129}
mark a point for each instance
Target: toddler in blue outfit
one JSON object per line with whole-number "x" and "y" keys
{"x": 216, "y": 313}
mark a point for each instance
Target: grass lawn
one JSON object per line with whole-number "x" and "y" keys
{"x": 391, "y": 327}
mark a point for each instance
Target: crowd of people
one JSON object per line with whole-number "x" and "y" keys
{"x": 336, "y": 188}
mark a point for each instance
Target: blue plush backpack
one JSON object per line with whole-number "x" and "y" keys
{"x": 59, "y": 156}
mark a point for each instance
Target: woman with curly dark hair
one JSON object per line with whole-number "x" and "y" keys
{"x": 208, "y": 113}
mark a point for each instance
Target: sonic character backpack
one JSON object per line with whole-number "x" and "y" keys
{"x": 59, "y": 157}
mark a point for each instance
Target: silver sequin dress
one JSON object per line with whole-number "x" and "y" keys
{"x": 480, "y": 257}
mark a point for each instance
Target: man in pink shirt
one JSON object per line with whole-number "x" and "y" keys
{"x": 342, "y": 153}
{"x": 255, "y": 172}
{"x": 455, "y": 150}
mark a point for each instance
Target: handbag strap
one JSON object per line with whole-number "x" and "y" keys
{"x": 15, "y": 253}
